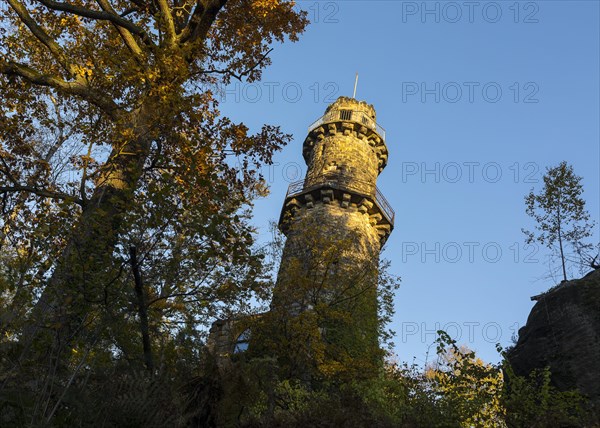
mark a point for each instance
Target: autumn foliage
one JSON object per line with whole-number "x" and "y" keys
{"x": 112, "y": 144}
{"x": 125, "y": 232}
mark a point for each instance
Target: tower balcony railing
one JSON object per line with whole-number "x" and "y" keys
{"x": 342, "y": 182}
{"x": 383, "y": 203}
{"x": 349, "y": 116}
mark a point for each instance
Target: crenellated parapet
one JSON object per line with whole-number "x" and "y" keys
{"x": 339, "y": 192}
{"x": 335, "y": 126}
{"x": 352, "y": 121}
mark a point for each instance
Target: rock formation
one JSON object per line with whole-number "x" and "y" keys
{"x": 563, "y": 333}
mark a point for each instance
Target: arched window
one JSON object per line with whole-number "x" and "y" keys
{"x": 242, "y": 341}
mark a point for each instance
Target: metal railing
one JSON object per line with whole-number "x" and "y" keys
{"x": 295, "y": 188}
{"x": 350, "y": 116}
{"x": 385, "y": 205}
{"x": 343, "y": 182}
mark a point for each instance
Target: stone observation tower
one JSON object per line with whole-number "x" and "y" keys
{"x": 336, "y": 222}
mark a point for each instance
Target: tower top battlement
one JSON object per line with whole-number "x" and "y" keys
{"x": 347, "y": 116}
{"x": 347, "y": 103}
{"x": 349, "y": 110}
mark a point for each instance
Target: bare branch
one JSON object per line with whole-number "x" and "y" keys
{"x": 61, "y": 137}
{"x": 40, "y": 192}
{"x": 84, "y": 174}
{"x": 243, "y": 73}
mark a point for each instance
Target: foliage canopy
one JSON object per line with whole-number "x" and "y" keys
{"x": 112, "y": 145}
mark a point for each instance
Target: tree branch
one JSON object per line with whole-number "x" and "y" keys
{"x": 7, "y": 171}
{"x": 243, "y": 73}
{"x": 124, "y": 32}
{"x": 43, "y": 37}
{"x": 97, "y": 15}
{"x": 145, "y": 5}
{"x": 76, "y": 88}
{"x": 84, "y": 175}
{"x": 168, "y": 17}
{"x": 40, "y": 192}
{"x": 181, "y": 14}
{"x": 203, "y": 16}
{"x": 142, "y": 309}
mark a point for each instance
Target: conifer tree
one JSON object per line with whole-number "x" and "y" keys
{"x": 559, "y": 211}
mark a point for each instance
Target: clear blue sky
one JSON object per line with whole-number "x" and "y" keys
{"x": 477, "y": 98}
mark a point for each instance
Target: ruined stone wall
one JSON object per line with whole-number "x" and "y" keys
{"x": 223, "y": 336}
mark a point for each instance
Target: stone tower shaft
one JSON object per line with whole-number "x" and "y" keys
{"x": 325, "y": 301}
{"x": 336, "y": 222}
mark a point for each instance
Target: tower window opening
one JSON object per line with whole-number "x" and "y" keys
{"x": 242, "y": 342}
{"x": 345, "y": 114}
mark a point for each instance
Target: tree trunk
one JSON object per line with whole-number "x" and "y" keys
{"x": 142, "y": 310}
{"x": 560, "y": 245}
{"x": 81, "y": 276}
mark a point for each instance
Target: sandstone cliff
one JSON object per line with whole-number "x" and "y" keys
{"x": 563, "y": 333}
